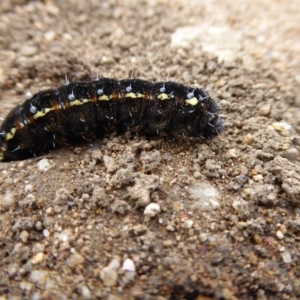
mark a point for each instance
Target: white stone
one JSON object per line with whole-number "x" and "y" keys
{"x": 46, "y": 233}
{"x": 279, "y": 234}
{"x": 187, "y": 224}
{"x": 28, "y": 188}
{"x": 44, "y": 165}
{"x": 204, "y": 195}
{"x": 152, "y": 210}
{"x": 128, "y": 265}
{"x": 286, "y": 256}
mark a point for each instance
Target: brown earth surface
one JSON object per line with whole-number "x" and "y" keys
{"x": 75, "y": 224}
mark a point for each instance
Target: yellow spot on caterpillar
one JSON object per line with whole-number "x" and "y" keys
{"x": 134, "y": 96}
{"x": 164, "y": 96}
{"x": 104, "y": 98}
{"x": 40, "y": 113}
{"x": 11, "y": 134}
{"x": 193, "y": 101}
{"x": 78, "y": 102}
{"x": 1, "y": 156}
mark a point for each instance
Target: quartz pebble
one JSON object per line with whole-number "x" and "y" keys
{"x": 44, "y": 165}
{"x": 279, "y": 234}
{"x": 204, "y": 195}
{"x": 46, "y": 233}
{"x": 128, "y": 265}
{"x": 286, "y": 256}
{"x": 152, "y": 210}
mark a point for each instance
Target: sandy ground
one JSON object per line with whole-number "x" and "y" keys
{"x": 75, "y": 224}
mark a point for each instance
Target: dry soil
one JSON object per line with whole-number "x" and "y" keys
{"x": 224, "y": 222}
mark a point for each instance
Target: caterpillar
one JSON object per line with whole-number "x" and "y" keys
{"x": 88, "y": 109}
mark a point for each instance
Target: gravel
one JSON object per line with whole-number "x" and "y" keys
{"x": 162, "y": 217}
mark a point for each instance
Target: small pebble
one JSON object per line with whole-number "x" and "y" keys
{"x": 152, "y": 210}
{"x": 38, "y": 225}
{"x": 86, "y": 293}
{"x": 291, "y": 154}
{"x": 75, "y": 259}
{"x": 283, "y": 228}
{"x": 232, "y": 153}
{"x": 109, "y": 163}
{"x": 128, "y": 265}
{"x": 203, "y": 237}
{"x": 248, "y": 139}
{"x": 39, "y": 257}
{"x": 212, "y": 66}
{"x": 279, "y": 234}
{"x": 204, "y": 195}
{"x": 12, "y": 270}
{"x": 46, "y": 233}
{"x": 24, "y": 236}
{"x": 237, "y": 205}
{"x": 38, "y": 247}
{"x": 187, "y": 224}
{"x": 265, "y": 110}
{"x": 25, "y": 286}
{"x": 286, "y": 256}
{"x": 28, "y": 188}
{"x": 39, "y": 276}
{"x": 109, "y": 276}
{"x": 44, "y": 165}
{"x": 281, "y": 127}
{"x": 50, "y": 35}
{"x": 197, "y": 174}
{"x": 258, "y": 177}
{"x": 8, "y": 200}
{"x": 168, "y": 243}
{"x": 65, "y": 235}
{"x": 28, "y": 50}
{"x": 170, "y": 227}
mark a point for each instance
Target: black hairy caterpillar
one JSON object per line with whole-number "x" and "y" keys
{"x": 83, "y": 110}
